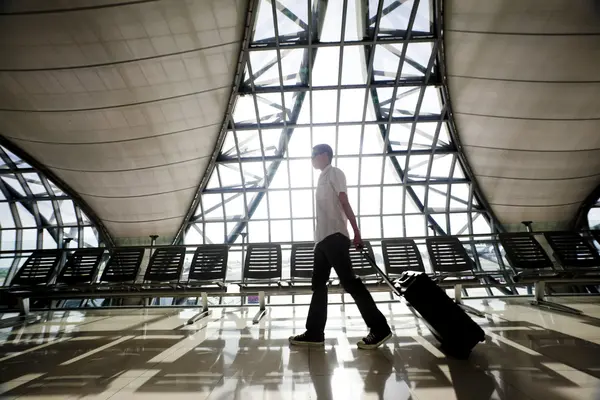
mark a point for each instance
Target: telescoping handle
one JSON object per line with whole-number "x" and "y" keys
{"x": 385, "y": 278}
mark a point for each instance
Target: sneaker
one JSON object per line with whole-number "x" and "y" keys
{"x": 374, "y": 340}
{"x": 308, "y": 340}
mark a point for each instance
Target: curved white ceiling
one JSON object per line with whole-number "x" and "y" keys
{"x": 525, "y": 90}
{"x": 123, "y": 100}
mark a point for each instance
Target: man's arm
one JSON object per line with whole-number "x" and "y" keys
{"x": 351, "y": 217}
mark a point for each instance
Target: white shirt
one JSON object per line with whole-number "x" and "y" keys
{"x": 331, "y": 217}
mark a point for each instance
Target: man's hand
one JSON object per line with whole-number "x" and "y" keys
{"x": 358, "y": 243}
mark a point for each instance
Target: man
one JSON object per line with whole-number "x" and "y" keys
{"x": 333, "y": 249}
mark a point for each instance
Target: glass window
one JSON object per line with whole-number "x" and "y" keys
{"x": 29, "y": 239}
{"x": 303, "y": 230}
{"x": 393, "y": 226}
{"x": 6, "y": 216}
{"x": 234, "y": 206}
{"x": 415, "y": 225}
{"x": 281, "y": 231}
{"x": 9, "y": 238}
{"x": 67, "y": 212}
{"x": 302, "y": 204}
{"x": 48, "y": 241}
{"x": 594, "y": 218}
{"x": 370, "y": 227}
{"x": 27, "y": 219}
{"x": 258, "y": 231}
{"x": 353, "y": 119}
{"x": 370, "y": 201}
{"x": 279, "y": 204}
{"x": 214, "y": 232}
{"x": 90, "y": 237}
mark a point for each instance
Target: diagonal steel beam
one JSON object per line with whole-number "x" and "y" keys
{"x": 307, "y": 64}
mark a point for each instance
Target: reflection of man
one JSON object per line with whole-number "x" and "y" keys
{"x": 333, "y": 249}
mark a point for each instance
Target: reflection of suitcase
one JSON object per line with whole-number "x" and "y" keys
{"x": 455, "y": 330}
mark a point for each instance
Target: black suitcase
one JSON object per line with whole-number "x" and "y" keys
{"x": 451, "y": 326}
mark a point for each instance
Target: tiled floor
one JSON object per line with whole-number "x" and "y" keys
{"x": 152, "y": 354}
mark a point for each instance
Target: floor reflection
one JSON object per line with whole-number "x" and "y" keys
{"x": 137, "y": 354}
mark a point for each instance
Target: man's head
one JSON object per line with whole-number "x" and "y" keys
{"x": 322, "y": 154}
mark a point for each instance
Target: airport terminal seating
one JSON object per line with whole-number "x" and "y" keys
{"x": 118, "y": 273}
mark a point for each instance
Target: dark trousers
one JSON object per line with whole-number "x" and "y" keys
{"x": 334, "y": 251}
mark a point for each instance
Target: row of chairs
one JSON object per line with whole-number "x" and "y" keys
{"x": 81, "y": 276}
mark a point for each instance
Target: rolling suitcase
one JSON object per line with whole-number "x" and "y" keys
{"x": 451, "y": 326}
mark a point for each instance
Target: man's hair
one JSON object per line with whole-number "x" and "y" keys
{"x": 323, "y": 148}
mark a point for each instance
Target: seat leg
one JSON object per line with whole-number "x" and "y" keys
{"x": 458, "y": 300}
{"x": 204, "y": 313}
{"x": 262, "y": 308}
{"x": 540, "y": 301}
{"x": 25, "y": 315}
{"x": 24, "y": 306}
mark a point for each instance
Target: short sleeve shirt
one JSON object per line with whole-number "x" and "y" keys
{"x": 331, "y": 217}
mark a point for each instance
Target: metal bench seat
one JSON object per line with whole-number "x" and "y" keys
{"x": 574, "y": 252}
{"x": 262, "y": 267}
{"x": 81, "y": 268}
{"x": 38, "y": 270}
{"x": 528, "y": 258}
{"x": 401, "y": 255}
{"x": 261, "y": 273}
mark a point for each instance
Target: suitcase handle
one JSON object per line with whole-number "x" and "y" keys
{"x": 378, "y": 270}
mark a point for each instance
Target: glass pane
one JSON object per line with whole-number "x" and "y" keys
{"x": 264, "y": 27}
{"x": 332, "y": 25}
{"x": 415, "y": 225}
{"x": 27, "y": 219}
{"x": 6, "y": 217}
{"x": 47, "y": 211}
{"x": 324, "y": 105}
{"x": 212, "y": 204}
{"x": 229, "y": 149}
{"x": 354, "y": 71}
{"x": 349, "y": 140}
{"x": 370, "y": 227}
{"x": 594, "y": 218}
{"x": 370, "y": 201}
{"x": 459, "y": 224}
{"x": 254, "y": 174}
{"x": 480, "y": 225}
{"x": 370, "y": 173}
{"x": 29, "y": 239}
{"x": 9, "y": 238}
{"x": 244, "y": 111}
{"x": 214, "y": 232}
{"x": 279, "y": 204}
{"x": 301, "y": 173}
{"x": 437, "y": 198}
{"x": 258, "y": 232}
{"x": 281, "y": 179}
{"x": 230, "y": 176}
{"x": 234, "y": 206}
{"x": 302, "y": 204}
{"x": 48, "y": 241}
{"x": 90, "y": 237}
{"x": 35, "y": 184}
{"x": 281, "y": 231}
{"x": 393, "y": 227}
{"x": 303, "y": 230}
{"x": 352, "y": 105}
{"x": 14, "y": 184}
{"x": 326, "y": 69}
{"x": 299, "y": 145}
{"x": 392, "y": 200}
